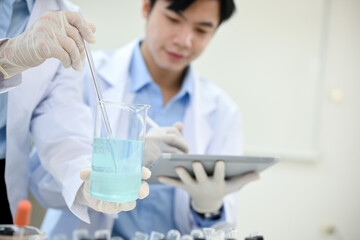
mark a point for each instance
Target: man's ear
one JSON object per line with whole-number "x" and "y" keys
{"x": 145, "y": 8}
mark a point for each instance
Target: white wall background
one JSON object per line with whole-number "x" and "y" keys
{"x": 293, "y": 69}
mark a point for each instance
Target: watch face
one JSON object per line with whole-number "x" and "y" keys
{"x": 212, "y": 214}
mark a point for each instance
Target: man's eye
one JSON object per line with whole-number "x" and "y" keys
{"x": 201, "y": 31}
{"x": 174, "y": 20}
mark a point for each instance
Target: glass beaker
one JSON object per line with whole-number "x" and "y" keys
{"x": 118, "y": 150}
{"x": 13, "y": 232}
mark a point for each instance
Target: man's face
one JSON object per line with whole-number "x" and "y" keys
{"x": 174, "y": 40}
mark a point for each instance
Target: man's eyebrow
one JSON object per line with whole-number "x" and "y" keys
{"x": 205, "y": 24}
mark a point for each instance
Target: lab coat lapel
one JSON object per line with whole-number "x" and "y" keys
{"x": 197, "y": 132}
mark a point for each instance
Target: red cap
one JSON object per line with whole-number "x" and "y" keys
{"x": 23, "y": 213}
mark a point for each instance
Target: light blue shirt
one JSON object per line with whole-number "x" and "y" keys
{"x": 13, "y": 19}
{"x": 155, "y": 212}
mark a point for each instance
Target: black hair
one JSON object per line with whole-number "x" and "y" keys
{"x": 227, "y": 7}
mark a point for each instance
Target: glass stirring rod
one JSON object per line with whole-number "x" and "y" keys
{"x": 97, "y": 90}
{"x": 100, "y": 99}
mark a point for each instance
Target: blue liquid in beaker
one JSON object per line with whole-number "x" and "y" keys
{"x": 118, "y": 182}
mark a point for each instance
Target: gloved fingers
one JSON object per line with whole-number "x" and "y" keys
{"x": 219, "y": 171}
{"x": 237, "y": 183}
{"x": 112, "y": 207}
{"x": 199, "y": 172}
{"x": 170, "y": 149}
{"x": 73, "y": 33}
{"x": 173, "y": 130}
{"x": 144, "y": 190}
{"x": 57, "y": 52}
{"x": 184, "y": 176}
{"x": 85, "y": 173}
{"x": 93, "y": 27}
{"x": 171, "y": 182}
{"x": 70, "y": 47}
{"x": 128, "y": 206}
{"x": 85, "y": 29}
{"x": 146, "y": 173}
{"x": 108, "y": 207}
{"x": 156, "y": 132}
{"x": 178, "y": 142}
{"x": 179, "y": 126}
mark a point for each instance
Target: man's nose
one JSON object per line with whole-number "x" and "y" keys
{"x": 184, "y": 37}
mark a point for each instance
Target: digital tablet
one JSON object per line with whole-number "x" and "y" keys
{"x": 234, "y": 165}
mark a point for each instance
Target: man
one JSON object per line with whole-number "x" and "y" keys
{"x": 157, "y": 71}
{"x": 32, "y": 32}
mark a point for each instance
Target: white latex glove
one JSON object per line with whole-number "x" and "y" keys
{"x": 207, "y": 192}
{"x": 83, "y": 195}
{"x": 55, "y": 34}
{"x": 164, "y": 140}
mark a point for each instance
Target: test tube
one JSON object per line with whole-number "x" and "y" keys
{"x": 173, "y": 234}
{"x": 59, "y": 237}
{"x": 103, "y": 234}
{"x": 186, "y": 237}
{"x": 81, "y": 234}
{"x": 117, "y": 238}
{"x": 208, "y": 232}
{"x": 22, "y": 217}
{"x": 140, "y": 236}
{"x": 156, "y": 236}
{"x": 232, "y": 234}
{"x": 197, "y": 234}
{"x": 218, "y": 235}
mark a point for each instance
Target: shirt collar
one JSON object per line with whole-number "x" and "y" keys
{"x": 30, "y": 4}
{"x": 141, "y": 76}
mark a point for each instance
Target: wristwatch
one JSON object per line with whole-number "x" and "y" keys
{"x": 211, "y": 215}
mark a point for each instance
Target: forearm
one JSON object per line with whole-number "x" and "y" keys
{"x": 7, "y": 81}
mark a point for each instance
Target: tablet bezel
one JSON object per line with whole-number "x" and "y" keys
{"x": 234, "y": 165}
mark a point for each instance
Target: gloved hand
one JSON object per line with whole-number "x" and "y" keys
{"x": 55, "y": 34}
{"x": 206, "y": 192}
{"x": 164, "y": 140}
{"x": 83, "y": 195}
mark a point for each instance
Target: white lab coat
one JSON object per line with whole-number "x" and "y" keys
{"x": 48, "y": 106}
{"x": 212, "y": 125}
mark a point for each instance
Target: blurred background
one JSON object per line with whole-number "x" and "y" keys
{"x": 293, "y": 68}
